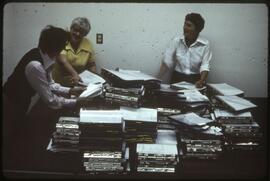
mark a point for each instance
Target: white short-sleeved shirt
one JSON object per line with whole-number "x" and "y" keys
{"x": 188, "y": 60}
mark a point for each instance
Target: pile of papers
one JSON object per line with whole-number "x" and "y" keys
{"x": 156, "y": 157}
{"x": 235, "y": 103}
{"x": 103, "y": 162}
{"x": 131, "y": 97}
{"x": 163, "y": 118}
{"x": 233, "y": 112}
{"x": 197, "y": 137}
{"x": 186, "y": 86}
{"x": 66, "y": 135}
{"x": 130, "y": 78}
{"x": 90, "y": 78}
{"x": 101, "y": 129}
{"x": 224, "y": 90}
{"x": 140, "y": 124}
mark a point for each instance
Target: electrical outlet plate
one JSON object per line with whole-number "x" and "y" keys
{"x": 99, "y": 38}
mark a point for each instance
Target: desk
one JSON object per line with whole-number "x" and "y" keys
{"x": 36, "y": 162}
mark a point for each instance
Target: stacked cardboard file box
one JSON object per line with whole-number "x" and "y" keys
{"x": 197, "y": 136}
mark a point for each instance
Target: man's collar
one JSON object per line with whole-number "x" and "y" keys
{"x": 47, "y": 61}
{"x": 198, "y": 40}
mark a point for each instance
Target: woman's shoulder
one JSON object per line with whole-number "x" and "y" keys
{"x": 87, "y": 44}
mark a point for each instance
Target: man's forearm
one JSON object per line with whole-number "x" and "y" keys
{"x": 204, "y": 75}
{"x": 162, "y": 70}
{"x": 62, "y": 60}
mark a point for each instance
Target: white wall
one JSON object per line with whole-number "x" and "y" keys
{"x": 136, "y": 35}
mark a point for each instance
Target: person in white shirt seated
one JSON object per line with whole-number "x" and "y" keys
{"x": 189, "y": 55}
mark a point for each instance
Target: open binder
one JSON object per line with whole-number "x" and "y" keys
{"x": 130, "y": 78}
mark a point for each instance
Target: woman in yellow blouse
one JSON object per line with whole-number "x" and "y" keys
{"x": 77, "y": 56}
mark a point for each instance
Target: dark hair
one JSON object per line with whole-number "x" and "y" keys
{"x": 52, "y": 39}
{"x": 197, "y": 19}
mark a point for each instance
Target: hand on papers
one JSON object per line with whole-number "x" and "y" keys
{"x": 75, "y": 80}
{"x": 199, "y": 84}
{"x": 76, "y": 90}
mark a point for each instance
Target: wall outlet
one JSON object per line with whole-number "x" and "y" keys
{"x": 99, "y": 38}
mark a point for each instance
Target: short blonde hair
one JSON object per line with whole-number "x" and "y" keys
{"x": 83, "y": 23}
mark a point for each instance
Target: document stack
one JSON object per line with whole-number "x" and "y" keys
{"x": 198, "y": 137}
{"x": 167, "y": 96}
{"x": 240, "y": 130}
{"x": 234, "y": 103}
{"x": 130, "y": 78}
{"x": 131, "y": 97}
{"x": 161, "y": 158}
{"x": 183, "y": 85}
{"x": 101, "y": 140}
{"x": 140, "y": 124}
{"x": 101, "y": 129}
{"x": 88, "y": 77}
{"x": 111, "y": 162}
{"x": 195, "y": 102}
{"x": 66, "y": 135}
{"x": 223, "y": 89}
{"x": 163, "y": 118}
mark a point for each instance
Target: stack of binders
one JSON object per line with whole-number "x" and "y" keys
{"x": 130, "y": 78}
{"x": 163, "y": 118}
{"x": 66, "y": 135}
{"x": 198, "y": 137}
{"x": 111, "y": 162}
{"x": 99, "y": 128}
{"x": 140, "y": 124}
{"x": 223, "y": 89}
{"x": 157, "y": 157}
{"x": 101, "y": 141}
{"x": 131, "y": 97}
{"x": 240, "y": 130}
{"x": 195, "y": 102}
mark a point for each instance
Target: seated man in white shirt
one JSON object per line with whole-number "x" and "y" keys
{"x": 189, "y": 55}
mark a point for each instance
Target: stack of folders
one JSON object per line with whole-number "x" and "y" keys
{"x": 195, "y": 100}
{"x": 140, "y": 124}
{"x": 240, "y": 130}
{"x": 109, "y": 162}
{"x": 131, "y": 97}
{"x": 234, "y": 103}
{"x": 65, "y": 138}
{"x": 130, "y": 78}
{"x": 88, "y": 77}
{"x": 101, "y": 129}
{"x": 183, "y": 85}
{"x": 161, "y": 158}
{"x": 166, "y": 94}
{"x": 163, "y": 118}
{"x": 198, "y": 137}
{"x": 224, "y": 90}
